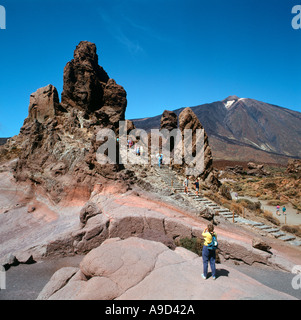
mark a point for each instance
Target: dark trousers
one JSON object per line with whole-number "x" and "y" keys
{"x": 208, "y": 256}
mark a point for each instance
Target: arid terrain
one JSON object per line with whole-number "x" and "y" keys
{"x": 126, "y": 230}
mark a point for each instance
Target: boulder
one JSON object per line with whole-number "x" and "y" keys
{"x": 256, "y": 170}
{"x": 259, "y": 244}
{"x": 226, "y": 192}
{"x": 137, "y": 269}
{"x": 9, "y": 260}
{"x": 207, "y": 213}
{"x": 236, "y": 169}
{"x": 57, "y": 282}
{"x": 293, "y": 166}
{"x": 89, "y": 210}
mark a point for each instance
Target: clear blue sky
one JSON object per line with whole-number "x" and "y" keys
{"x": 167, "y": 54}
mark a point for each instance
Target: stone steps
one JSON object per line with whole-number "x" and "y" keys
{"x": 278, "y": 234}
{"x": 287, "y": 238}
{"x": 295, "y": 243}
{"x": 165, "y": 176}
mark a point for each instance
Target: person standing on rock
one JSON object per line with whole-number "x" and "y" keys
{"x": 278, "y": 210}
{"x": 284, "y": 210}
{"x": 208, "y": 253}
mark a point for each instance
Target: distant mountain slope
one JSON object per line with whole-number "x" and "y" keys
{"x": 245, "y": 129}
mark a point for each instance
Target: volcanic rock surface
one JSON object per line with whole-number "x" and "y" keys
{"x": 134, "y": 269}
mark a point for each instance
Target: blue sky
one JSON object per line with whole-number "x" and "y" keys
{"x": 167, "y": 54}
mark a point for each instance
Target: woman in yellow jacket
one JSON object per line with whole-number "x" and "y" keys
{"x": 208, "y": 255}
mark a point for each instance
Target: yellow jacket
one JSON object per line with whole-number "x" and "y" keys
{"x": 208, "y": 237}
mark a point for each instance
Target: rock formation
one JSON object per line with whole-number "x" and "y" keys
{"x": 256, "y": 170}
{"x": 44, "y": 104}
{"x": 57, "y": 143}
{"x": 135, "y": 269}
{"x": 169, "y": 120}
{"x": 88, "y": 87}
{"x": 294, "y": 166}
{"x": 236, "y": 169}
{"x": 189, "y": 121}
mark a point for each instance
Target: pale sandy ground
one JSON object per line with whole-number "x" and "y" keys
{"x": 292, "y": 216}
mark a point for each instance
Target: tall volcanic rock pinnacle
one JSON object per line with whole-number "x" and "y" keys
{"x": 188, "y": 120}
{"x": 88, "y": 87}
{"x": 57, "y": 143}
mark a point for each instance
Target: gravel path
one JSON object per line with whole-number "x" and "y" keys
{"x": 278, "y": 280}
{"x": 25, "y": 282}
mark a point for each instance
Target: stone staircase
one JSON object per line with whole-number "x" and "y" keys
{"x": 175, "y": 183}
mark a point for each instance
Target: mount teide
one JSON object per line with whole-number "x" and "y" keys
{"x": 245, "y": 130}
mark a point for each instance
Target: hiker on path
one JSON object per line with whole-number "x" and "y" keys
{"x": 284, "y": 210}
{"x": 278, "y": 210}
{"x": 197, "y": 187}
{"x": 137, "y": 151}
{"x": 208, "y": 253}
{"x": 185, "y": 184}
{"x": 160, "y": 159}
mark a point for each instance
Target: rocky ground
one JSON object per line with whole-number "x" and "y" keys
{"x": 72, "y": 231}
{"x": 277, "y": 184}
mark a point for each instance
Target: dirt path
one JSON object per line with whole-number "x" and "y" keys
{"x": 292, "y": 216}
{"x": 25, "y": 282}
{"x": 278, "y": 280}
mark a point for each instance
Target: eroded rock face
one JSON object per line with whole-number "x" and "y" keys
{"x": 189, "y": 121}
{"x": 84, "y": 79}
{"x": 44, "y": 104}
{"x": 88, "y": 87}
{"x": 57, "y": 144}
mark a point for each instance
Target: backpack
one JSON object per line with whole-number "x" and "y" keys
{"x": 213, "y": 244}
